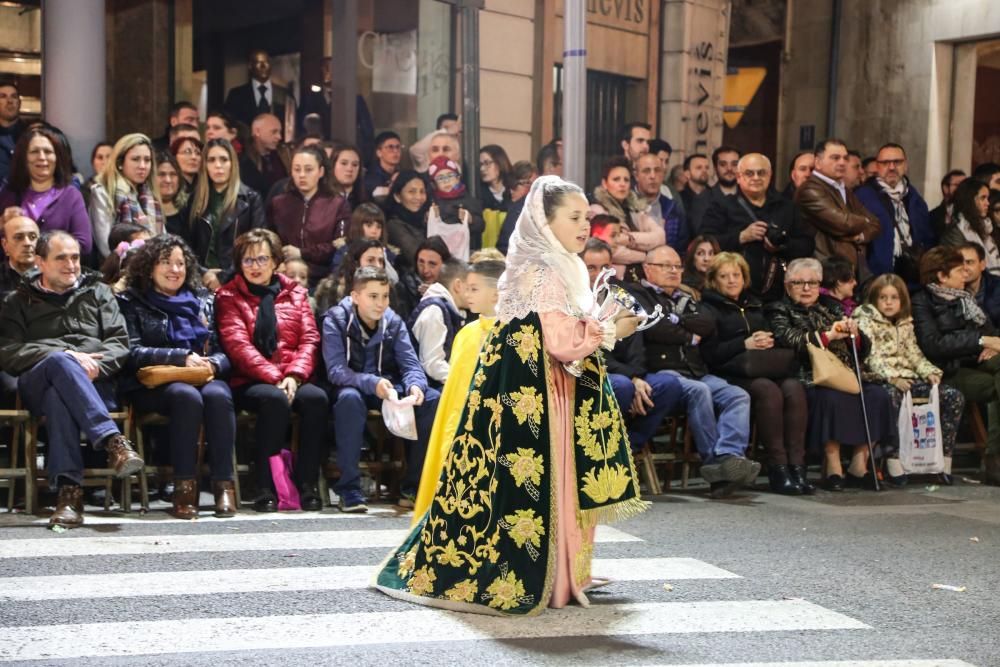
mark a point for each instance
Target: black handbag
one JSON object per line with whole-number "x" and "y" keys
{"x": 777, "y": 363}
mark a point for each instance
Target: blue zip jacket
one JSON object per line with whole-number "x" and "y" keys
{"x": 880, "y": 258}
{"x": 389, "y": 354}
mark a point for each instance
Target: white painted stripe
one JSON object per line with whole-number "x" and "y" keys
{"x": 156, "y": 517}
{"x": 57, "y": 642}
{"x": 276, "y": 580}
{"x": 54, "y": 545}
{"x": 836, "y": 663}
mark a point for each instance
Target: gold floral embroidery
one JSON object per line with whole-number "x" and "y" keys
{"x": 505, "y": 592}
{"x": 526, "y": 529}
{"x": 423, "y": 580}
{"x": 475, "y": 400}
{"x": 582, "y": 562}
{"x": 450, "y": 554}
{"x": 608, "y": 484}
{"x": 524, "y": 467}
{"x": 463, "y": 591}
{"x": 407, "y": 562}
{"x": 527, "y": 405}
{"x": 527, "y": 344}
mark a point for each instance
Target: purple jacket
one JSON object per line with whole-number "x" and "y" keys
{"x": 66, "y": 212}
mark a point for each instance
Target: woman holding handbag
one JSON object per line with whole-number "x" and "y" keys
{"x": 268, "y": 330}
{"x": 743, "y": 351}
{"x": 171, "y": 324}
{"x": 803, "y": 323}
{"x": 898, "y": 362}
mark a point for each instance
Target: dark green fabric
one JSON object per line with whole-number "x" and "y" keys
{"x": 489, "y": 537}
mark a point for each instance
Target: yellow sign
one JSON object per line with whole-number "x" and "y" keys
{"x": 742, "y": 83}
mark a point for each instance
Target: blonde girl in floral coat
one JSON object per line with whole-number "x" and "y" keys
{"x": 898, "y": 361}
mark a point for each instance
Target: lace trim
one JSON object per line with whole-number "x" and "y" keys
{"x": 537, "y": 289}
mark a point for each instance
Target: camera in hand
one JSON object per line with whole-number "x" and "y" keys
{"x": 775, "y": 235}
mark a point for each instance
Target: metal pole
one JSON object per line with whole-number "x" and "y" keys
{"x": 469, "y": 14}
{"x": 834, "y": 71}
{"x": 574, "y": 98}
{"x": 344, "y": 71}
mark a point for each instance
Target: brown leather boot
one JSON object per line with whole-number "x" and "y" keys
{"x": 225, "y": 499}
{"x": 69, "y": 507}
{"x": 121, "y": 456}
{"x": 991, "y": 462}
{"x": 185, "y": 499}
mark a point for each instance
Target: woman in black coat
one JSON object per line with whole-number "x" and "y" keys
{"x": 171, "y": 322}
{"x": 735, "y": 352}
{"x": 835, "y": 417}
{"x": 956, "y": 336}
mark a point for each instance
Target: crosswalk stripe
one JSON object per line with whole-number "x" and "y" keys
{"x": 275, "y": 580}
{"x": 58, "y": 546}
{"x": 74, "y": 641}
{"x": 158, "y": 517}
{"x": 835, "y": 663}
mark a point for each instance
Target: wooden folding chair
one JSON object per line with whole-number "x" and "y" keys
{"x": 139, "y": 424}
{"x": 18, "y": 419}
{"x": 247, "y": 420}
{"x": 384, "y": 465}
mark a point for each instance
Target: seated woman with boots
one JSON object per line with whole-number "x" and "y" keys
{"x": 171, "y": 322}
{"x": 898, "y": 362}
{"x": 957, "y": 337}
{"x": 743, "y": 351}
{"x": 836, "y": 417}
{"x": 268, "y": 331}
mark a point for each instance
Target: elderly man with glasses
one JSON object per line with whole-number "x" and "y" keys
{"x": 761, "y": 225}
{"x": 718, "y": 413}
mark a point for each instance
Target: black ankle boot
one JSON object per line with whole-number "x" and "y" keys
{"x": 309, "y": 498}
{"x": 800, "y": 478}
{"x": 781, "y": 481}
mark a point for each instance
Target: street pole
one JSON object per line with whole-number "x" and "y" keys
{"x": 574, "y": 98}
{"x": 344, "y": 70}
{"x": 469, "y": 14}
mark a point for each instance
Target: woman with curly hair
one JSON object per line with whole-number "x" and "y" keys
{"x": 170, "y": 322}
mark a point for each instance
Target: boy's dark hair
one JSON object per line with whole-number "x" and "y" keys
{"x": 383, "y": 137}
{"x": 443, "y": 118}
{"x": 488, "y": 268}
{"x": 453, "y": 269}
{"x": 837, "y": 270}
{"x": 368, "y": 274}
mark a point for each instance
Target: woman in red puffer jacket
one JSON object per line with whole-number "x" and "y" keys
{"x": 267, "y": 330}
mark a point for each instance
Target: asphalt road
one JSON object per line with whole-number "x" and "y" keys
{"x": 835, "y": 580}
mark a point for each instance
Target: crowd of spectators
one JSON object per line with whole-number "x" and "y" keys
{"x": 308, "y": 282}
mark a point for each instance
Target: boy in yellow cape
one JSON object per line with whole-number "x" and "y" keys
{"x": 481, "y": 298}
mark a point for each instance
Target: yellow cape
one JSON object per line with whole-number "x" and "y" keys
{"x": 464, "y": 357}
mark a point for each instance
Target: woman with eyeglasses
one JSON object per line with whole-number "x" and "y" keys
{"x": 170, "y": 320}
{"x": 267, "y": 330}
{"x": 799, "y": 320}
{"x": 972, "y": 222}
{"x": 495, "y": 172}
{"x": 222, "y": 208}
{"x": 40, "y": 183}
{"x": 126, "y": 191}
{"x": 189, "y": 153}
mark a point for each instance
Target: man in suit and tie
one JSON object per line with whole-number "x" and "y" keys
{"x": 260, "y": 95}
{"x": 843, "y": 226}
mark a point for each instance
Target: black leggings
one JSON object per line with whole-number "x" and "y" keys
{"x": 274, "y": 414}
{"x": 779, "y": 408}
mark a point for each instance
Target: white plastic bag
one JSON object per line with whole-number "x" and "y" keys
{"x": 455, "y": 236}
{"x": 398, "y": 415}
{"x": 921, "y": 449}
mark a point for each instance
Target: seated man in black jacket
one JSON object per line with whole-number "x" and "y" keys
{"x": 644, "y": 398}
{"x": 20, "y": 233}
{"x": 671, "y": 346}
{"x": 761, "y": 225}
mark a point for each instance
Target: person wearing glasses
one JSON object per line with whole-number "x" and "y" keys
{"x": 718, "y": 413}
{"x": 835, "y": 417}
{"x": 761, "y": 225}
{"x": 188, "y": 152}
{"x": 843, "y": 226}
{"x": 222, "y": 208}
{"x": 902, "y": 213}
{"x": 388, "y": 155}
{"x": 268, "y": 331}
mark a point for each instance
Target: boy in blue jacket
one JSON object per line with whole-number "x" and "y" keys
{"x": 368, "y": 353}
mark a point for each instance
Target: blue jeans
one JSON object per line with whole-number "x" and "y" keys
{"x": 58, "y": 389}
{"x": 667, "y": 399}
{"x": 350, "y": 414}
{"x": 708, "y": 396}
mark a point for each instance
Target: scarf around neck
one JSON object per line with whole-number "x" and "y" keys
{"x": 970, "y": 309}
{"x": 184, "y": 323}
{"x": 265, "y": 329}
{"x": 139, "y": 208}
{"x": 903, "y": 238}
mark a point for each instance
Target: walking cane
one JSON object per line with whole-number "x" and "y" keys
{"x": 864, "y": 410}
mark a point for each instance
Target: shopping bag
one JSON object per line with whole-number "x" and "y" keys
{"x": 454, "y": 235}
{"x": 921, "y": 449}
{"x": 281, "y": 472}
{"x": 398, "y": 415}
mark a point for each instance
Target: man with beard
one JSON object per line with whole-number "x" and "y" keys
{"x": 902, "y": 215}
{"x": 696, "y": 171}
{"x": 725, "y": 159}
